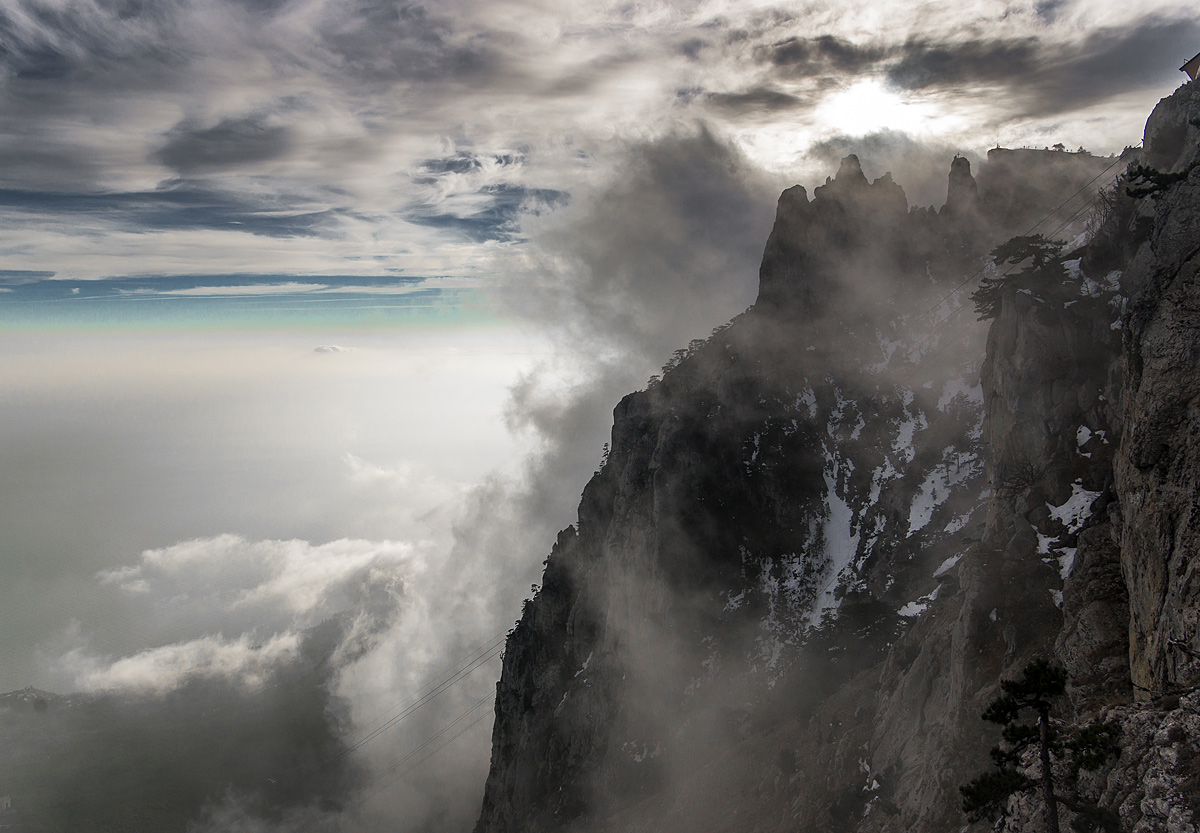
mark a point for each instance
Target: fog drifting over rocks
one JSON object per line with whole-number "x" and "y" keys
{"x": 187, "y": 513}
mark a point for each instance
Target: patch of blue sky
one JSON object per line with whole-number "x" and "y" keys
{"x": 179, "y": 205}
{"x": 33, "y": 301}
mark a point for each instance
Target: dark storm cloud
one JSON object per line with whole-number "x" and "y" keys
{"x": 69, "y": 69}
{"x": 925, "y": 65}
{"x": 231, "y": 143}
{"x": 826, "y": 54}
{"x": 72, "y": 73}
{"x": 180, "y": 205}
{"x": 756, "y": 100}
{"x": 1046, "y": 77}
{"x": 667, "y": 250}
{"x": 1114, "y": 61}
{"x": 113, "y": 45}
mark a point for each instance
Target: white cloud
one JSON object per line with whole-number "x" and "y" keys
{"x": 265, "y": 592}
{"x": 451, "y": 282}
{"x": 284, "y": 583}
{"x": 358, "y": 102}
{"x": 162, "y": 669}
{"x": 289, "y": 287}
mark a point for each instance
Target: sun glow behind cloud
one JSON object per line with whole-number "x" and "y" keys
{"x": 868, "y": 106}
{"x": 374, "y": 141}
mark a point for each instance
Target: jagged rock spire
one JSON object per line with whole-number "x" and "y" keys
{"x": 850, "y": 171}
{"x": 962, "y": 194}
{"x": 814, "y": 242}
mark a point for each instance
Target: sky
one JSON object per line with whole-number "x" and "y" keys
{"x": 322, "y": 306}
{"x": 288, "y": 139}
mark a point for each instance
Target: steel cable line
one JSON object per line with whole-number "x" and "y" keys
{"x": 358, "y": 794}
{"x": 1029, "y": 231}
{"x": 417, "y": 750}
{"x": 432, "y": 693}
{"x": 938, "y": 324}
{"x": 458, "y": 671}
{"x": 450, "y": 670}
{"x": 433, "y": 753}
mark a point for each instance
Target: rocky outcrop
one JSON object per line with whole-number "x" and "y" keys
{"x": 1158, "y": 469}
{"x": 962, "y": 197}
{"x": 1172, "y": 138}
{"x": 811, "y": 242}
{"x": 1020, "y": 186}
{"x": 770, "y": 516}
{"x": 822, "y": 538}
{"x": 1130, "y": 603}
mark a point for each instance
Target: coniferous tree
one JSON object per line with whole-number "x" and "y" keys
{"x": 1044, "y": 271}
{"x": 1036, "y": 691}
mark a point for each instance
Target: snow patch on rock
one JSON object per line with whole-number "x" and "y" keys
{"x": 918, "y": 607}
{"x": 1074, "y": 513}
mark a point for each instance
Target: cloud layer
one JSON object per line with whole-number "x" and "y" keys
{"x": 412, "y": 137}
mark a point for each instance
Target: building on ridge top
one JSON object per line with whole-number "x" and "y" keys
{"x": 1192, "y": 67}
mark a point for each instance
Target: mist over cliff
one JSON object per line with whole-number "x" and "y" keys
{"x": 822, "y": 537}
{"x": 815, "y": 543}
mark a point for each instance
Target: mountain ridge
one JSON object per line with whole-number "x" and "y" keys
{"x": 819, "y": 541}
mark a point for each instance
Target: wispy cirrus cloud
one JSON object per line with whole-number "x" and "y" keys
{"x": 445, "y": 125}
{"x": 237, "y": 290}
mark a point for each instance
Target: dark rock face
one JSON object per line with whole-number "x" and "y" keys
{"x": 962, "y": 197}
{"x": 1159, "y": 461}
{"x": 803, "y": 465}
{"x": 1172, "y": 135}
{"x": 811, "y": 242}
{"x": 823, "y": 537}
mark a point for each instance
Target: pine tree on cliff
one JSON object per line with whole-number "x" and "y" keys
{"x": 1044, "y": 273}
{"x": 1039, "y": 686}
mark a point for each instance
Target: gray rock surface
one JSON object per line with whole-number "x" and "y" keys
{"x": 1158, "y": 466}
{"x": 820, "y": 541}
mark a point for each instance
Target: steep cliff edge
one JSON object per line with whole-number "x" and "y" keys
{"x": 819, "y": 541}
{"x": 1158, "y": 470}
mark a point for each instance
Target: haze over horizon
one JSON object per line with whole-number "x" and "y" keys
{"x": 314, "y": 307}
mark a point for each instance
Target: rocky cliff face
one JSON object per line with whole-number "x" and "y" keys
{"x": 1158, "y": 470}
{"x": 820, "y": 540}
